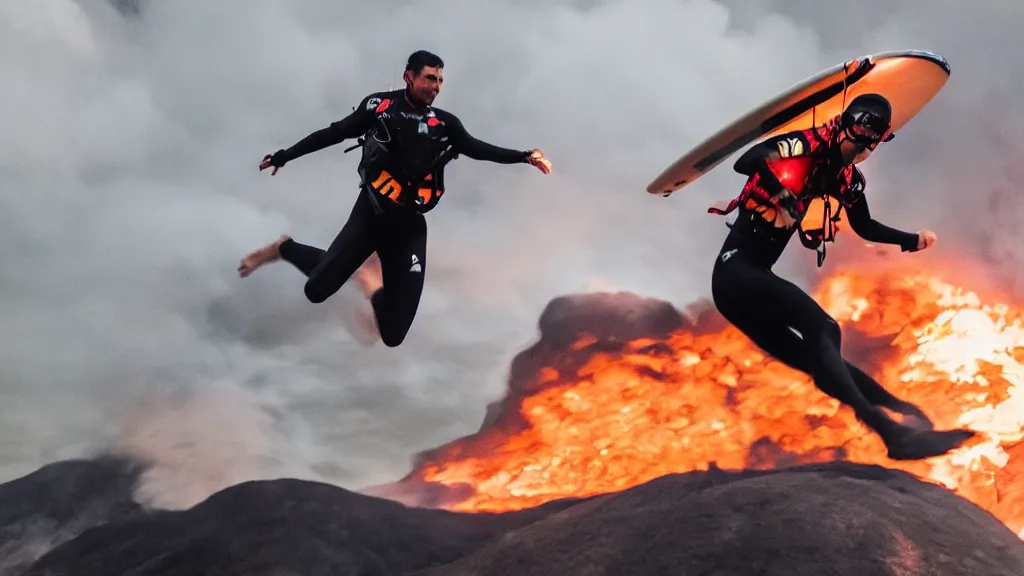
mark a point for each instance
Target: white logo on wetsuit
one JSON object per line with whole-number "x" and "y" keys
{"x": 729, "y": 254}
{"x": 415, "y": 264}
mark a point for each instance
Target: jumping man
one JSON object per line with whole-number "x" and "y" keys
{"x": 406, "y": 143}
{"x": 784, "y": 174}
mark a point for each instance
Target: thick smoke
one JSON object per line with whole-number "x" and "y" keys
{"x": 129, "y": 190}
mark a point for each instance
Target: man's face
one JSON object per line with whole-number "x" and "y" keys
{"x": 861, "y": 140}
{"x": 854, "y": 152}
{"x": 425, "y": 85}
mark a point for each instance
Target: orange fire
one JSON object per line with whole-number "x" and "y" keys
{"x": 691, "y": 401}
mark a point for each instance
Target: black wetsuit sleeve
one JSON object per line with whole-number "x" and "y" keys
{"x": 754, "y": 160}
{"x": 352, "y": 126}
{"x": 477, "y": 149}
{"x": 872, "y": 230}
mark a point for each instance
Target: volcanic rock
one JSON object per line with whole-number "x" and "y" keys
{"x": 283, "y": 527}
{"x": 607, "y": 315}
{"x": 603, "y": 320}
{"x": 838, "y": 519}
{"x": 59, "y": 501}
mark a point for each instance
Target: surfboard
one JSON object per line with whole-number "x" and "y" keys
{"x": 908, "y": 78}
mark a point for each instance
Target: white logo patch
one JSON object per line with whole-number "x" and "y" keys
{"x": 790, "y": 147}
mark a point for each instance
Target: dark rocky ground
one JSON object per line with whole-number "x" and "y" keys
{"x": 838, "y": 519}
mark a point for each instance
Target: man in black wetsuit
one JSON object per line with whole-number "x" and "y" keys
{"x": 784, "y": 174}
{"x": 406, "y": 144}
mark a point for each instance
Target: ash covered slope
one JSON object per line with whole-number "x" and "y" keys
{"x": 283, "y": 526}
{"x": 58, "y": 502}
{"x": 837, "y": 519}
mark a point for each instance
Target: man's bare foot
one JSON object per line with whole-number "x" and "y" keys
{"x": 369, "y": 276}
{"x": 258, "y": 258}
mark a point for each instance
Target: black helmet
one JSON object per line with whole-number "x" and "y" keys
{"x": 867, "y": 120}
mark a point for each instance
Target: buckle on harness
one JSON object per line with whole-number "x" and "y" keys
{"x": 816, "y": 239}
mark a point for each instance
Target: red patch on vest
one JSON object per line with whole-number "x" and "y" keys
{"x": 383, "y": 105}
{"x": 792, "y": 172}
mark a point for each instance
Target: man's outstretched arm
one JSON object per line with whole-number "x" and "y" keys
{"x": 872, "y": 230}
{"x": 352, "y": 126}
{"x": 466, "y": 143}
{"x": 477, "y": 149}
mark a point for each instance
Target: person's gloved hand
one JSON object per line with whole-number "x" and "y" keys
{"x": 277, "y": 160}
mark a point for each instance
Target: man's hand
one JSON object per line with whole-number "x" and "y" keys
{"x": 925, "y": 238}
{"x": 275, "y": 160}
{"x": 536, "y": 158}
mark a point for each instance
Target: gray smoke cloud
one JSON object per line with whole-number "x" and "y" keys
{"x": 129, "y": 191}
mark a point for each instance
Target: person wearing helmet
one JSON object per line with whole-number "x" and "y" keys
{"x": 784, "y": 173}
{"x": 406, "y": 144}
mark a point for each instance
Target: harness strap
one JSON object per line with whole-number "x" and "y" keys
{"x": 359, "y": 143}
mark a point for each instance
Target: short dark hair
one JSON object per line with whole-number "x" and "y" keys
{"x": 421, "y": 59}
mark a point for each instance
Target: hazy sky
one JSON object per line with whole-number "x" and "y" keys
{"x": 129, "y": 191}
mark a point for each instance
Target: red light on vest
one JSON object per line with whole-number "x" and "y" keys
{"x": 792, "y": 172}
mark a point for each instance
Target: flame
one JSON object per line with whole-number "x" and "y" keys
{"x": 690, "y": 401}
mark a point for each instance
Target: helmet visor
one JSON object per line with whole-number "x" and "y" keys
{"x": 868, "y": 129}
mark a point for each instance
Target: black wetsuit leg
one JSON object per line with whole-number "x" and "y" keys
{"x": 398, "y": 236}
{"x": 402, "y": 247}
{"x": 327, "y": 270}
{"x": 878, "y": 395}
{"x": 768, "y": 309}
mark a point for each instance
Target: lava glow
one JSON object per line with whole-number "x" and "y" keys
{"x": 652, "y": 407}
